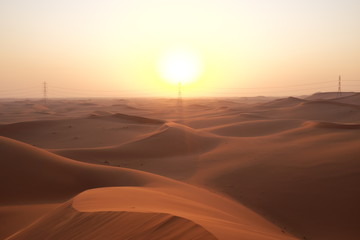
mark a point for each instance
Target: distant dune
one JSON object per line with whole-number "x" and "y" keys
{"x": 130, "y": 118}
{"x": 255, "y": 128}
{"x": 352, "y": 99}
{"x": 329, "y": 95}
{"x": 44, "y": 176}
{"x": 169, "y": 140}
{"x": 284, "y": 102}
{"x": 79, "y": 132}
{"x": 320, "y": 110}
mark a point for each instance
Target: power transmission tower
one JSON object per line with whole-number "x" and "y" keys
{"x": 339, "y": 86}
{"x": 45, "y": 92}
{"x": 179, "y": 100}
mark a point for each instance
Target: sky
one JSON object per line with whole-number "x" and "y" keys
{"x": 99, "y": 48}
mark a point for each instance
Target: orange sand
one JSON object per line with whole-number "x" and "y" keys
{"x": 215, "y": 169}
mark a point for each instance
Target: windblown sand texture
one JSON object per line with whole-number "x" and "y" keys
{"x": 227, "y": 169}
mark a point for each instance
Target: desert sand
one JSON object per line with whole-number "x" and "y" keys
{"x": 227, "y": 168}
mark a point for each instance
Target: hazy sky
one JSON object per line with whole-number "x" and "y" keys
{"x": 111, "y": 48}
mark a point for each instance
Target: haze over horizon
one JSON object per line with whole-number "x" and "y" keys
{"x": 113, "y": 48}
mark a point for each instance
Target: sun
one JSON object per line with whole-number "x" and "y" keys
{"x": 180, "y": 65}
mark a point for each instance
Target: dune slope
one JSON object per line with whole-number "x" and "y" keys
{"x": 32, "y": 175}
{"x": 306, "y": 179}
{"x": 43, "y": 176}
{"x": 149, "y": 213}
{"x": 79, "y": 132}
{"x": 113, "y": 225}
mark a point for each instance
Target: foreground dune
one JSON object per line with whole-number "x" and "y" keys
{"x": 302, "y": 178}
{"x": 146, "y": 213}
{"x": 113, "y": 225}
{"x": 200, "y": 213}
{"x": 43, "y": 176}
{"x": 16, "y": 217}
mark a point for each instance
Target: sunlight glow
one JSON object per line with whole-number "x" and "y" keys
{"x": 180, "y": 65}
{"x": 213, "y": 48}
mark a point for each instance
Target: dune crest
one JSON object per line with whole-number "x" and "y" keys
{"x": 328, "y": 95}
{"x": 284, "y": 102}
{"x": 254, "y": 128}
{"x": 149, "y": 213}
{"x": 21, "y": 163}
{"x": 130, "y": 118}
{"x": 171, "y": 139}
{"x": 352, "y": 99}
{"x": 335, "y": 125}
{"x": 64, "y": 224}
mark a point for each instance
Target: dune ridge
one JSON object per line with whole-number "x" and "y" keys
{"x": 328, "y": 95}
{"x": 284, "y": 102}
{"x": 21, "y": 163}
{"x": 352, "y": 99}
{"x": 255, "y": 128}
{"x": 131, "y": 118}
{"x": 112, "y": 225}
{"x": 174, "y": 139}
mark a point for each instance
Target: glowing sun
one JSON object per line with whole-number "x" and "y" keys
{"x": 180, "y": 65}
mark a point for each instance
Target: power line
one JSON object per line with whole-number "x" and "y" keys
{"x": 329, "y": 88}
{"x": 19, "y": 89}
{"x": 82, "y": 90}
{"x": 285, "y": 86}
{"x": 61, "y": 91}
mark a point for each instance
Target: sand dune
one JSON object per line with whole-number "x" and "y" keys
{"x": 28, "y": 110}
{"x": 80, "y": 132}
{"x": 284, "y": 102}
{"x": 151, "y": 213}
{"x": 334, "y": 125}
{"x": 43, "y": 176}
{"x": 15, "y": 218}
{"x": 320, "y": 110}
{"x": 352, "y": 99}
{"x": 114, "y": 225}
{"x": 254, "y": 128}
{"x": 131, "y": 118}
{"x": 301, "y": 178}
{"x": 169, "y": 140}
{"x": 172, "y": 150}
{"x": 230, "y": 117}
{"x": 40, "y": 108}
{"x": 55, "y": 178}
{"x": 293, "y": 163}
{"x": 328, "y": 95}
